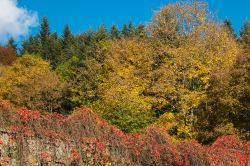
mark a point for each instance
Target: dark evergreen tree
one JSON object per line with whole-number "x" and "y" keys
{"x": 229, "y": 28}
{"x": 125, "y": 31}
{"x": 54, "y": 35}
{"x": 140, "y": 31}
{"x": 11, "y": 43}
{"x": 114, "y": 32}
{"x": 245, "y": 33}
{"x": 101, "y": 33}
{"x": 85, "y": 44}
{"x": 44, "y": 38}
{"x": 131, "y": 29}
{"x": 44, "y": 31}
{"x": 55, "y": 50}
{"x": 67, "y": 37}
{"x": 31, "y": 45}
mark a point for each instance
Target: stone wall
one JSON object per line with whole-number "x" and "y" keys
{"x": 33, "y": 151}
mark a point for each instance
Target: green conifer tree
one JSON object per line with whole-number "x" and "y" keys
{"x": 125, "y": 31}
{"x": 245, "y": 33}
{"x": 131, "y": 29}
{"x": 44, "y": 38}
{"x": 140, "y": 31}
{"x": 114, "y": 32}
{"x": 229, "y": 28}
{"x": 101, "y": 33}
{"x": 67, "y": 37}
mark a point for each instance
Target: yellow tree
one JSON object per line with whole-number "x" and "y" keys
{"x": 194, "y": 46}
{"x": 29, "y": 82}
{"x": 127, "y": 66}
{"x": 228, "y": 106}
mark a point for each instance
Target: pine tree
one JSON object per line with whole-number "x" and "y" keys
{"x": 54, "y": 35}
{"x": 131, "y": 29}
{"x": 66, "y": 44}
{"x": 67, "y": 37}
{"x": 114, "y": 31}
{"x": 11, "y": 44}
{"x": 228, "y": 26}
{"x": 125, "y": 31}
{"x": 44, "y": 38}
{"x": 55, "y": 50}
{"x": 245, "y": 33}
{"x": 28, "y": 46}
{"x": 140, "y": 31}
{"x": 101, "y": 33}
{"x": 44, "y": 31}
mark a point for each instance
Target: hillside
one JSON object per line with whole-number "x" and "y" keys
{"x": 34, "y": 138}
{"x": 174, "y": 90}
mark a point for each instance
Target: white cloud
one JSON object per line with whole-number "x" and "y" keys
{"x": 15, "y": 21}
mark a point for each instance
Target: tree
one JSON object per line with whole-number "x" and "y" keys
{"x": 239, "y": 91}
{"x": 66, "y": 46}
{"x": 49, "y": 44}
{"x": 7, "y": 55}
{"x": 229, "y": 28}
{"x": 101, "y": 33}
{"x": 226, "y": 109}
{"x": 83, "y": 78}
{"x": 45, "y": 38}
{"x": 55, "y": 51}
{"x": 30, "y": 83}
{"x": 140, "y": 31}
{"x": 125, "y": 31}
{"x": 114, "y": 32}
{"x": 127, "y": 66}
{"x": 124, "y": 115}
{"x": 85, "y": 45}
{"x": 164, "y": 26}
{"x": 11, "y": 44}
{"x": 245, "y": 33}
{"x": 44, "y": 31}
{"x": 32, "y": 45}
{"x": 131, "y": 29}
{"x": 67, "y": 37}
{"x": 193, "y": 45}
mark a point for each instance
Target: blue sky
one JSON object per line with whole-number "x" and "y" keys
{"x": 84, "y": 14}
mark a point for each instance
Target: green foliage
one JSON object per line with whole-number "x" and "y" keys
{"x": 125, "y": 31}
{"x": 101, "y": 33}
{"x": 67, "y": 37}
{"x": 11, "y": 44}
{"x": 125, "y": 115}
{"x": 140, "y": 31}
{"x": 245, "y": 33}
{"x": 45, "y": 31}
{"x": 229, "y": 28}
{"x": 31, "y": 45}
{"x": 83, "y": 78}
{"x": 114, "y": 32}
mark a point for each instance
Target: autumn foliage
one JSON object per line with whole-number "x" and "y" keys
{"x": 7, "y": 55}
{"x": 184, "y": 76}
{"x": 107, "y": 144}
